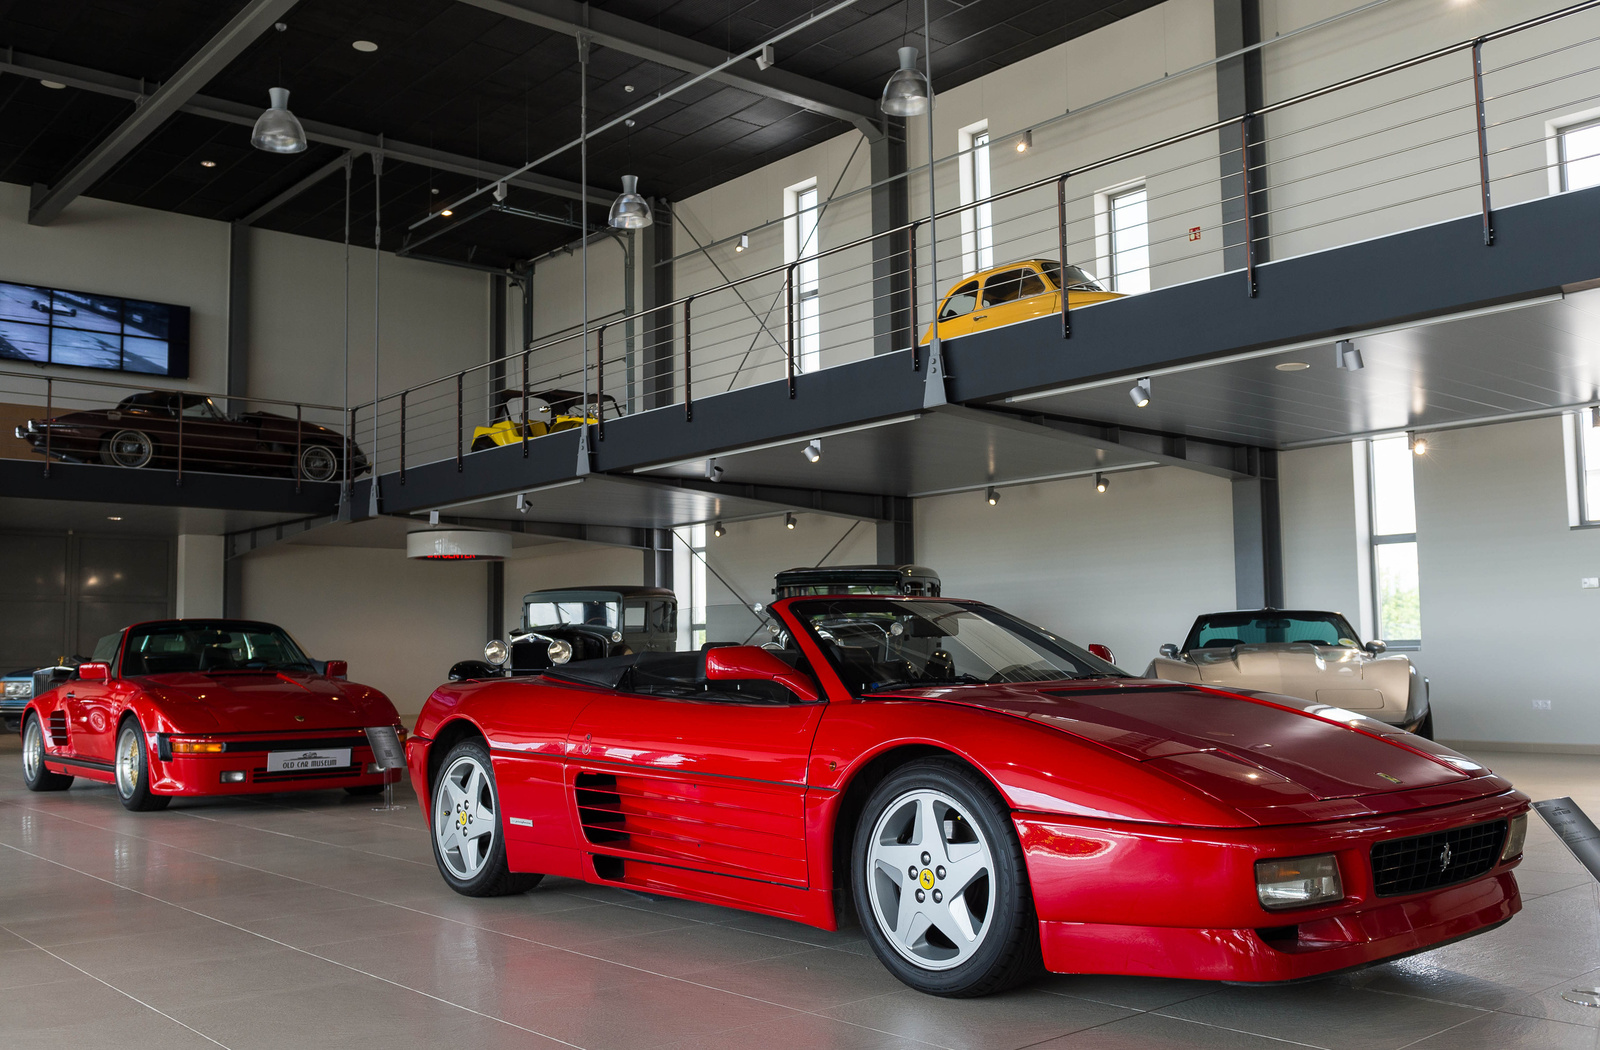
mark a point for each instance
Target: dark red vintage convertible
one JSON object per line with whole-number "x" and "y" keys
{"x": 154, "y": 429}
{"x": 980, "y": 794}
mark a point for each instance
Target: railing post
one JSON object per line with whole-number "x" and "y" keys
{"x": 179, "y": 479}
{"x": 349, "y": 432}
{"x": 788, "y": 338}
{"x": 524, "y": 404}
{"x": 1249, "y": 232}
{"x": 911, "y": 251}
{"x": 297, "y": 449}
{"x": 600, "y": 383}
{"x": 1483, "y": 140}
{"x": 402, "y": 436}
{"x": 460, "y": 420}
{"x": 49, "y": 410}
{"x": 1061, "y": 243}
{"x": 688, "y": 391}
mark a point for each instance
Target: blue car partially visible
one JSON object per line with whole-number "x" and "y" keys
{"x": 16, "y": 689}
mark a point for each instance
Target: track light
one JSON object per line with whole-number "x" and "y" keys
{"x": 500, "y": 191}
{"x": 718, "y": 531}
{"x": 1141, "y": 392}
{"x": 813, "y": 450}
{"x": 1100, "y": 483}
{"x": 277, "y": 130}
{"x": 630, "y": 211}
{"x": 788, "y": 522}
{"x": 767, "y": 59}
{"x": 1416, "y": 443}
{"x": 906, "y": 93}
{"x": 744, "y": 242}
{"x": 1025, "y": 141}
{"x": 994, "y": 495}
{"x": 522, "y": 503}
{"x": 1347, "y": 357}
{"x": 446, "y": 213}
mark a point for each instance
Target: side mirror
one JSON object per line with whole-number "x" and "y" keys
{"x": 734, "y": 663}
{"x": 1377, "y": 647}
{"x": 466, "y": 669}
{"x": 337, "y": 669}
{"x": 1170, "y": 651}
{"x": 94, "y": 672}
{"x": 1103, "y": 652}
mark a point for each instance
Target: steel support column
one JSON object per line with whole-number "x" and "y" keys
{"x": 658, "y": 362}
{"x": 238, "y": 313}
{"x": 658, "y": 558}
{"x": 1258, "y": 535}
{"x": 893, "y": 327}
{"x": 1239, "y": 91}
{"x": 896, "y": 539}
{"x": 496, "y": 593}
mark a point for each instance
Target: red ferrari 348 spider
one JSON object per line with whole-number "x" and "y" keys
{"x": 204, "y": 707}
{"x": 983, "y": 795}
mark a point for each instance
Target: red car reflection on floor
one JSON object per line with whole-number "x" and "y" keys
{"x": 204, "y": 707}
{"x": 981, "y": 795}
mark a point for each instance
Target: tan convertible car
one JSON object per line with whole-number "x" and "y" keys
{"x": 1315, "y": 656}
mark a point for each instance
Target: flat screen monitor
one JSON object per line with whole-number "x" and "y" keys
{"x": 58, "y": 327}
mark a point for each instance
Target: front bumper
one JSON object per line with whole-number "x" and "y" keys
{"x": 189, "y": 775}
{"x": 1122, "y": 898}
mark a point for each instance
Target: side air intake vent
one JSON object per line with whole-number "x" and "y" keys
{"x": 600, "y": 808}
{"x": 58, "y": 728}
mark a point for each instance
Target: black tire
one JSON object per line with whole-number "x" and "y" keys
{"x": 34, "y": 773}
{"x": 132, "y": 764}
{"x": 362, "y": 790}
{"x": 1007, "y": 951}
{"x": 481, "y": 444}
{"x": 1426, "y": 728}
{"x": 319, "y": 463}
{"x": 484, "y": 873}
{"x": 128, "y": 448}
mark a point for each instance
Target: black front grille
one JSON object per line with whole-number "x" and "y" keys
{"x": 1426, "y": 862}
{"x": 307, "y": 743}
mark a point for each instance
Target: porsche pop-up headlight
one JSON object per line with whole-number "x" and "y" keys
{"x": 560, "y": 651}
{"x": 1298, "y": 882}
{"x": 496, "y": 652}
{"x": 1516, "y": 834}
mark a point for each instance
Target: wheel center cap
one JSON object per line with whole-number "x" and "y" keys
{"x": 925, "y": 880}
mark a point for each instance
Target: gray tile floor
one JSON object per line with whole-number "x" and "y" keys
{"x": 312, "y": 921}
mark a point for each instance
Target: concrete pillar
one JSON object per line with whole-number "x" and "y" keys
{"x": 200, "y": 577}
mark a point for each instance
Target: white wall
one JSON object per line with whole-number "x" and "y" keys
{"x": 1130, "y": 567}
{"x": 1322, "y": 549}
{"x": 567, "y": 565}
{"x": 200, "y": 576}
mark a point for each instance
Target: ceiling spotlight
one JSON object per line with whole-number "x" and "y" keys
{"x": 629, "y": 122}
{"x": 522, "y": 503}
{"x": 1141, "y": 392}
{"x": 113, "y": 517}
{"x": 628, "y": 88}
{"x": 1416, "y": 443}
{"x": 994, "y": 495}
{"x": 500, "y": 191}
{"x": 276, "y": 130}
{"x": 788, "y": 522}
{"x": 447, "y": 213}
{"x": 813, "y": 450}
{"x": 744, "y": 242}
{"x": 1100, "y": 483}
{"x": 906, "y": 93}
{"x": 364, "y": 45}
{"x": 718, "y": 531}
{"x": 1347, "y": 357}
{"x": 767, "y": 59}
{"x": 1291, "y": 366}
{"x": 208, "y": 164}
{"x": 1025, "y": 141}
{"x": 53, "y": 85}
{"x": 630, "y": 211}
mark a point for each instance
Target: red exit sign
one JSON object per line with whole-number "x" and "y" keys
{"x": 1194, "y": 233}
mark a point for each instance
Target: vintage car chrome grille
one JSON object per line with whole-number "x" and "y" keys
{"x": 1425, "y": 862}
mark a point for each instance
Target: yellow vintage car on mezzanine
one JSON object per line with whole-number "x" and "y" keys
{"x": 1018, "y": 291}
{"x": 547, "y": 412}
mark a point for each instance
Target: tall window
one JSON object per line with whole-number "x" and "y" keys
{"x": 977, "y": 224}
{"x": 1580, "y": 155}
{"x": 800, "y": 244}
{"x": 1396, "y": 582}
{"x": 689, "y": 580}
{"x": 1130, "y": 240}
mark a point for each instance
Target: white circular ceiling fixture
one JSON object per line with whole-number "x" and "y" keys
{"x": 1292, "y": 366}
{"x": 364, "y": 45}
{"x": 458, "y": 545}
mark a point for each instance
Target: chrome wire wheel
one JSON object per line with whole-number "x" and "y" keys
{"x": 130, "y": 448}
{"x": 318, "y": 463}
{"x": 930, "y": 879}
{"x": 32, "y": 750}
{"x": 464, "y": 817}
{"x": 127, "y": 761}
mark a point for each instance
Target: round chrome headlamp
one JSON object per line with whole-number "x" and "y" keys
{"x": 616, "y": 636}
{"x": 496, "y": 652}
{"x": 559, "y": 650}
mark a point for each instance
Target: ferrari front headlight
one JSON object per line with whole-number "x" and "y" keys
{"x": 496, "y": 652}
{"x": 1516, "y": 835}
{"x": 1298, "y": 882}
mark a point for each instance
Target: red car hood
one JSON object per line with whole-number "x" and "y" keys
{"x": 1270, "y": 757}
{"x": 239, "y": 702}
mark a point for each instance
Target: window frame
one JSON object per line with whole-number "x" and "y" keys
{"x": 808, "y": 275}
{"x": 1116, "y": 273}
{"x": 1560, "y": 134}
{"x": 1579, "y": 426}
{"x": 1375, "y": 539}
{"x": 977, "y": 183}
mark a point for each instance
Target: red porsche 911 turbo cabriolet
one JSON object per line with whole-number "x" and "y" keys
{"x": 982, "y": 795}
{"x": 204, "y": 707}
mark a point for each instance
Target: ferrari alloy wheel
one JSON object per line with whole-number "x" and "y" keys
{"x": 468, "y": 843}
{"x": 318, "y": 463}
{"x": 128, "y": 448}
{"x": 940, "y": 885}
{"x": 132, "y": 765}
{"x": 34, "y": 773}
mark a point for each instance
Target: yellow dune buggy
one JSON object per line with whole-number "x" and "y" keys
{"x": 547, "y": 412}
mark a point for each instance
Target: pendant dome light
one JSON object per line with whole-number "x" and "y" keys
{"x": 630, "y": 211}
{"x": 277, "y": 130}
{"x": 906, "y": 93}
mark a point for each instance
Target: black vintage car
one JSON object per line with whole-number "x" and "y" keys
{"x": 914, "y": 580}
{"x": 154, "y": 429}
{"x": 579, "y": 623}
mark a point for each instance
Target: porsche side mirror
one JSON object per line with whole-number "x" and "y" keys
{"x": 1170, "y": 651}
{"x": 94, "y": 672}
{"x": 1377, "y": 647}
{"x": 465, "y": 669}
{"x": 743, "y": 663}
{"x": 337, "y": 669}
{"x": 1103, "y": 652}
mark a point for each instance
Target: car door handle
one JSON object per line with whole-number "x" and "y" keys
{"x": 979, "y": 317}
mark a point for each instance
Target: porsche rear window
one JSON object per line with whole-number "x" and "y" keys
{"x": 1225, "y": 630}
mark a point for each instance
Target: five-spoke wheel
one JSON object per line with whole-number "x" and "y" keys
{"x": 939, "y": 882}
{"x": 467, "y": 835}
